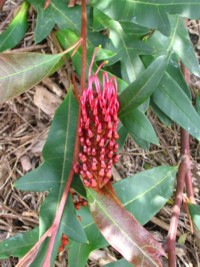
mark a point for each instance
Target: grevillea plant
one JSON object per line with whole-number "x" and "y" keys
{"x": 98, "y": 129}
{"x": 148, "y": 68}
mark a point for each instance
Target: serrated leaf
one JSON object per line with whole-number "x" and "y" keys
{"x": 53, "y": 173}
{"x": 171, "y": 99}
{"x": 22, "y": 71}
{"x": 16, "y": 30}
{"x": 151, "y": 189}
{"x": 141, "y": 89}
{"x": 178, "y": 42}
{"x": 127, "y": 47}
{"x": 138, "y": 124}
{"x": 122, "y": 231}
{"x": 151, "y": 14}
{"x": 19, "y": 244}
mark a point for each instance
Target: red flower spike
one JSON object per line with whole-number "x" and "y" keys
{"x": 98, "y": 128}
{"x": 64, "y": 242}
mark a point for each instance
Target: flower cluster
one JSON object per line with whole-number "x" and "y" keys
{"x": 64, "y": 242}
{"x": 98, "y": 129}
{"x": 77, "y": 200}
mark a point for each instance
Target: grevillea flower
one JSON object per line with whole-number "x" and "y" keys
{"x": 98, "y": 129}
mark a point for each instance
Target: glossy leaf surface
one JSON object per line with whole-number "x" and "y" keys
{"x": 149, "y": 13}
{"x": 122, "y": 230}
{"x": 149, "y": 190}
{"x": 57, "y": 13}
{"x": 19, "y": 244}
{"x": 127, "y": 46}
{"x": 52, "y": 174}
{"x": 16, "y": 30}
{"x": 171, "y": 99}
{"x": 138, "y": 124}
{"x": 67, "y": 38}
{"x": 195, "y": 214}
{"x": 178, "y": 42}
{"x": 21, "y": 71}
{"x": 140, "y": 90}
{"x": 119, "y": 263}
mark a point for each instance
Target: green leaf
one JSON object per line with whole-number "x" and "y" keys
{"x": 138, "y": 124}
{"x": 119, "y": 263}
{"x": 127, "y": 47}
{"x": 171, "y": 100}
{"x": 53, "y": 173}
{"x": 174, "y": 70}
{"x": 22, "y": 71}
{"x": 18, "y": 245}
{"x": 67, "y": 38}
{"x": 197, "y": 106}
{"x": 78, "y": 186}
{"x": 78, "y": 253}
{"x": 151, "y": 14}
{"x": 58, "y": 13}
{"x": 142, "y": 88}
{"x": 141, "y": 143}
{"x": 123, "y": 133}
{"x": 178, "y": 42}
{"x": 16, "y": 30}
{"x": 162, "y": 116}
{"x": 122, "y": 231}
{"x": 151, "y": 189}
{"x": 195, "y": 214}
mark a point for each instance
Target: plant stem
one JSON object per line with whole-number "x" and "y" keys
{"x": 59, "y": 213}
{"x": 171, "y": 239}
{"x": 52, "y": 231}
{"x": 84, "y": 45}
{"x": 184, "y": 178}
{"x": 185, "y": 149}
{"x": 2, "y": 2}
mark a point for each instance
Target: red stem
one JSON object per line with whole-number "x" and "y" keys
{"x": 185, "y": 149}
{"x": 184, "y": 178}
{"x": 84, "y": 45}
{"x": 2, "y": 2}
{"x": 52, "y": 231}
{"x": 171, "y": 239}
{"x": 59, "y": 213}
{"x": 185, "y": 139}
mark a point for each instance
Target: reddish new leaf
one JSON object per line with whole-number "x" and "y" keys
{"x": 122, "y": 230}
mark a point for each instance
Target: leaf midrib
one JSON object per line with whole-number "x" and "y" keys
{"x": 124, "y": 232}
{"x": 141, "y": 89}
{"x": 160, "y": 4}
{"x": 150, "y": 188}
{"x": 142, "y": 194}
{"x": 30, "y": 68}
{"x": 65, "y": 148}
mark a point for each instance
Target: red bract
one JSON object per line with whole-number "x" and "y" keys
{"x": 98, "y": 129}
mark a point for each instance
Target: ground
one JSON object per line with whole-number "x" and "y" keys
{"x": 24, "y": 124}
